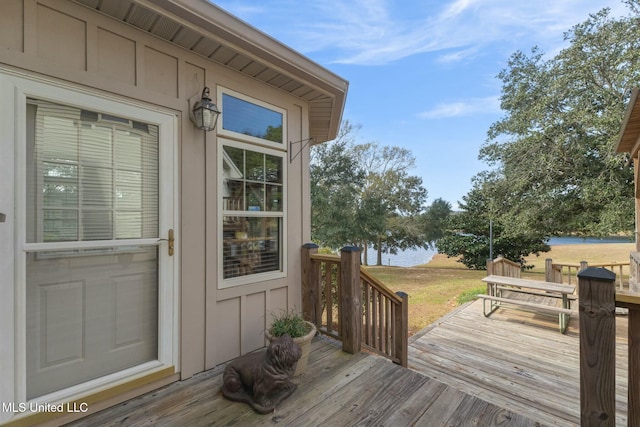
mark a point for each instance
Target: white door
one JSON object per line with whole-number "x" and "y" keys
{"x": 95, "y": 204}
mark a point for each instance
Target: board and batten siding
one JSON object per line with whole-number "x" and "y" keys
{"x": 69, "y": 44}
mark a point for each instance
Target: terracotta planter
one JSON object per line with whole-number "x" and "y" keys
{"x": 305, "y": 345}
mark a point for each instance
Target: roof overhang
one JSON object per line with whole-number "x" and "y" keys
{"x": 630, "y": 131}
{"x": 207, "y": 30}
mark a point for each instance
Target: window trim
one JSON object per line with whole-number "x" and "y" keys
{"x": 257, "y": 277}
{"x": 248, "y": 138}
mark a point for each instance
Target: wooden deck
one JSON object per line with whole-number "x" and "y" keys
{"x": 515, "y": 360}
{"x": 512, "y": 369}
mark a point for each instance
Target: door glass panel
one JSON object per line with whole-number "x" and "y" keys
{"x": 90, "y": 176}
{"x": 90, "y": 312}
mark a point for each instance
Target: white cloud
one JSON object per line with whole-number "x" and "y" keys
{"x": 369, "y": 32}
{"x": 456, "y": 8}
{"x": 457, "y": 56}
{"x": 463, "y": 108}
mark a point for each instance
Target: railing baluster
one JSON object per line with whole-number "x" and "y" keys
{"x": 392, "y": 330}
{"x": 387, "y": 329}
{"x": 384, "y": 318}
{"x": 329, "y": 295}
{"x": 367, "y": 315}
{"x": 374, "y": 318}
{"x": 383, "y": 323}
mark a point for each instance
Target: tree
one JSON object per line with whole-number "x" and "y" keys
{"x": 391, "y": 199}
{"x": 364, "y": 193}
{"x": 555, "y": 170}
{"x": 336, "y": 183}
{"x": 433, "y": 221}
{"x": 467, "y": 233}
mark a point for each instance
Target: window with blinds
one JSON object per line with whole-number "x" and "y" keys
{"x": 252, "y": 204}
{"x": 90, "y": 176}
{"x": 253, "y": 211}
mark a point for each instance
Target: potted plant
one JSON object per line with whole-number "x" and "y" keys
{"x": 302, "y": 332}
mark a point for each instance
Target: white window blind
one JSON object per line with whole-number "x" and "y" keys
{"x": 91, "y": 176}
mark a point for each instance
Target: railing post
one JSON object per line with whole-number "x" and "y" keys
{"x": 597, "y": 308}
{"x": 311, "y": 292}
{"x": 489, "y": 267}
{"x": 633, "y": 359}
{"x": 548, "y": 270}
{"x": 350, "y": 300}
{"x": 401, "y": 332}
{"x": 583, "y": 266}
{"x": 490, "y": 271}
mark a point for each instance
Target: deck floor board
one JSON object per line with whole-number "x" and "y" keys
{"x": 516, "y": 360}
{"x": 511, "y": 369}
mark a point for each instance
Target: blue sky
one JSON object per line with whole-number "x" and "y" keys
{"x": 422, "y": 73}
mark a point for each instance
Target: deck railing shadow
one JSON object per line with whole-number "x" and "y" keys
{"x": 350, "y": 305}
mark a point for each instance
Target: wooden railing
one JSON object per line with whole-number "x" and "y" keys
{"x": 349, "y": 304}
{"x": 566, "y": 273}
{"x": 597, "y": 302}
{"x": 503, "y": 267}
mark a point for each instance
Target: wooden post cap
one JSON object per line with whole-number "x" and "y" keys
{"x": 310, "y": 246}
{"x": 350, "y": 249}
{"x": 598, "y": 273}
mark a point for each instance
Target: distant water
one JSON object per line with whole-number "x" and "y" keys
{"x": 413, "y": 257}
{"x": 581, "y": 240}
{"x": 407, "y": 258}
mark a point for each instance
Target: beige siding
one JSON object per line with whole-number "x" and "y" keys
{"x": 116, "y": 57}
{"x": 193, "y": 241}
{"x": 70, "y": 43}
{"x": 161, "y": 72}
{"x": 61, "y": 38}
{"x": 12, "y": 28}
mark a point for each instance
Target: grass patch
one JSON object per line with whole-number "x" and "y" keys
{"x": 470, "y": 294}
{"x": 441, "y": 285}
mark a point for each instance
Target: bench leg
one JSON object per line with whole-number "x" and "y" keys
{"x": 563, "y": 318}
{"x": 493, "y": 307}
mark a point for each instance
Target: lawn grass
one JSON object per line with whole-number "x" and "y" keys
{"x": 442, "y": 284}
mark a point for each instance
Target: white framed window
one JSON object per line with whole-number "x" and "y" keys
{"x": 251, "y": 120}
{"x": 253, "y": 213}
{"x": 252, "y": 189}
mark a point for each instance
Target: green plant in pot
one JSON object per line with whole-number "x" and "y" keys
{"x": 302, "y": 332}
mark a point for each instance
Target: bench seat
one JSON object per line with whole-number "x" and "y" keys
{"x": 533, "y": 292}
{"x": 497, "y": 302}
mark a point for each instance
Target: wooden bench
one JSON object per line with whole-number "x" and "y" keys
{"x": 497, "y": 284}
{"x": 538, "y": 293}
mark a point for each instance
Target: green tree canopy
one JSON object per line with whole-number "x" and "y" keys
{"x": 468, "y": 235}
{"x": 552, "y": 154}
{"x": 336, "y": 183}
{"x": 434, "y": 221}
{"x": 391, "y": 199}
{"x": 364, "y": 193}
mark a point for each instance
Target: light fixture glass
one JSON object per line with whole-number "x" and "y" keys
{"x": 205, "y": 112}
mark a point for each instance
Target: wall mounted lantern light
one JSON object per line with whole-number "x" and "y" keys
{"x": 205, "y": 113}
